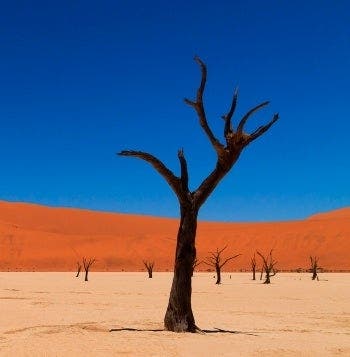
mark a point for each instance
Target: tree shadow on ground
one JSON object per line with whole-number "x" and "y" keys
{"x": 215, "y": 330}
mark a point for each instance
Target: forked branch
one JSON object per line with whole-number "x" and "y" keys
{"x": 199, "y": 107}
{"x": 249, "y": 114}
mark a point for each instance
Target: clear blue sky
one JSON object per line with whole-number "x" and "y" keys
{"x": 81, "y": 80}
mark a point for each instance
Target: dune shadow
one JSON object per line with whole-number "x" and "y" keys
{"x": 215, "y": 330}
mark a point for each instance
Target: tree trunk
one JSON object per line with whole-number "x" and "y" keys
{"x": 86, "y": 275}
{"x": 267, "y": 278}
{"x": 314, "y": 275}
{"x": 253, "y": 273}
{"x": 149, "y": 273}
{"x": 179, "y": 316}
{"x": 218, "y": 275}
{"x": 78, "y": 272}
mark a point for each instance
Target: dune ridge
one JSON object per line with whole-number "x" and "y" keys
{"x": 41, "y": 238}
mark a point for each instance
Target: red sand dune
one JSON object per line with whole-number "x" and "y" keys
{"x": 40, "y": 238}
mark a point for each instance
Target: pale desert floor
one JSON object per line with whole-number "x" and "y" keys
{"x": 56, "y": 314}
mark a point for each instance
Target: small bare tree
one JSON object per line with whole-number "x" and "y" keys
{"x": 78, "y": 268}
{"x": 314, "y": 267}
{"x": 87, "y": 264}
{"x": 253, "y": 265}
{"x": 215, "y": 260}
{"x": 268, "y": 267}
{"x": 149, "y": 266}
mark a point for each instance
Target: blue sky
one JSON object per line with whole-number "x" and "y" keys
{"x": 82, "y": 80}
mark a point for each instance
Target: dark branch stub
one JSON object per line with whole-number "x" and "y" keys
{"x": 179, "y": 316}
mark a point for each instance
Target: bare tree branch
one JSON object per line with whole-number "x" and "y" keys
{"x": 249, "y": 113}
{"x": 199, "y": 107}
{"x": 168, "y": 175}
{"x": 228, "y": 116}
{"x": 184, "y": 171}
{"x": 228, "y": 259}
{"x": 262, "y": 129}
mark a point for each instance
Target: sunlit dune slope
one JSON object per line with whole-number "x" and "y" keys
{"x": 40, "y": 238}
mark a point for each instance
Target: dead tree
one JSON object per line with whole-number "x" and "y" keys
{"x": 179, "y": 316}
{"x": 87, "y": 264}
{"x": 149, "y": 266}
{"x": 268, "y": 267}
{"x": 253, "y": 265}
{"x": 215, "y": 260}
{"x": 78, "y": 268}
{"x": 314, "y": 267}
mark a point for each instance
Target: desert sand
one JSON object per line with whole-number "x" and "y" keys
{"x": 56, "y": 314}
{"x": 39, "y": 238}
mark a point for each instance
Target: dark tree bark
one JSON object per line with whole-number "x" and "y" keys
{"x": 314, "y": 267}
{"x": 253, "y": 265}
{"x": 149, "y": 266}
{"x": 179, "y": 316}
{"x": 78, "y": 268}
{"x": 268, "y": 267}
{"x": 215, "y": 260}
{"x": 87, "y": 264}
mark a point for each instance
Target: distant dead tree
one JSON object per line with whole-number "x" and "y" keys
{"x": 314, "y": 267}
{"x": 87, "y": 264}
{"x": 149, "y": 266}
{"x": 268, "y": 266}
{"x": 78, "y": 268}
{"x": 253, "y": 265}
{"x": 215, "y": 260}
{"x": 179, "y": 316}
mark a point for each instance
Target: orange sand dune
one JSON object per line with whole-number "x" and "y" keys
{"x": 40, "y": 238}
